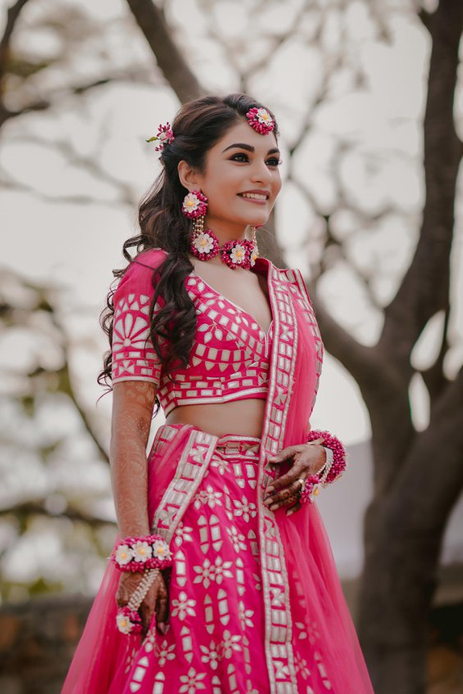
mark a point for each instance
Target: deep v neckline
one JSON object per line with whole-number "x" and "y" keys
{"x": 265, "y": 333}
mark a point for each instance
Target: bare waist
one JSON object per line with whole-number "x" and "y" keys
{"x": 239, "y": 417}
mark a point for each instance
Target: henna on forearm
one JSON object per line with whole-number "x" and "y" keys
{"x": 133, "y": 403}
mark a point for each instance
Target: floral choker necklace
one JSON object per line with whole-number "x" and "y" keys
{"x": 243, "y": 253}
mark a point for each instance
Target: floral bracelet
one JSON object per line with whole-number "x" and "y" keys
{"x": 336, "y": 461}
{"x": 142, "y": 553}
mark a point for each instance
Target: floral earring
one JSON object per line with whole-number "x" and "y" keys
{"x": 204, "y": 244}
{"x": 253, "y": 247}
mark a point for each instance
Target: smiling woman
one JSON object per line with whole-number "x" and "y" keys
{"x": 227, "y": 582}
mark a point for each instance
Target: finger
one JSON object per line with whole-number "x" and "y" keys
{"x": 285, "y": 453}
{"x": 146, "y": 613}
{"x": 292, "y": 494}
{"x": 289, "y": 501}
{"x": 147, "y": 607}
{"x": 285, "y": 480}
{"x": 293, "y": 509}
{"x": 320, "y": 440}
{"x": 291, "y": 490}
{"x": 161, "y": 605}
{"x": 122, "y": 597}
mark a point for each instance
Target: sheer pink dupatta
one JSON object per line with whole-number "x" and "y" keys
{"x": 103, "y": 655}
{"x": 317, "y": 600}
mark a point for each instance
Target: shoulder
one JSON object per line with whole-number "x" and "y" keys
{"x": 147, "y": 260}
{"x": 138, "y": 274}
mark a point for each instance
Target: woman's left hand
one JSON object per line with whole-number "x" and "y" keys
{"x": 308, "y": 459}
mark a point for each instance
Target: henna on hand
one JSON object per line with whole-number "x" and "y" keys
{"x": 155, "y": 601}
{"x": 133, "y": 403}
{"x": 308, "y": 459}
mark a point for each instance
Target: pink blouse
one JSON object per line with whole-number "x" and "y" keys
{"x": 230, "y": 358}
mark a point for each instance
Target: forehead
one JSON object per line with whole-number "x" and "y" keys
{"x": 243, "y": 132}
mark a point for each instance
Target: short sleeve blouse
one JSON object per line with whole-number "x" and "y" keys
{"x": 133, "y": 355}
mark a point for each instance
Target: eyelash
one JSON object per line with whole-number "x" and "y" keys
{"x": 278, "y": 161}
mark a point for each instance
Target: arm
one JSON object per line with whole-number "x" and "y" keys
{"x": 133, "y": 403}
{"x": 136, "y": 371}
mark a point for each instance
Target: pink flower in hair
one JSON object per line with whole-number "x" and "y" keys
{"x": 261, "y": 120}
{"x": 165, "y": 136}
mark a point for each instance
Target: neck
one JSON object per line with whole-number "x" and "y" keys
{"x": 226, "y": 231}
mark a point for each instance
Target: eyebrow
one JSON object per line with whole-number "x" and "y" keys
{"x": 249, "y": 148}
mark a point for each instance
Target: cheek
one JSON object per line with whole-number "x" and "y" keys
{"x": 277, "y": 184}
{"x": 225, "y": 186}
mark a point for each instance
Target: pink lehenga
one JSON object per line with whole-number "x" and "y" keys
{"x": 255, "y": 601}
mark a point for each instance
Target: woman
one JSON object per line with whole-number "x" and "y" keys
{"x": 233, "y": 586}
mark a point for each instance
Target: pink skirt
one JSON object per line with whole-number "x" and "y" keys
{"x": 218, "y": 630}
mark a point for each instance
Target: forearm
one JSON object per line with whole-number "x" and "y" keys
{"x": 129, "y": 480}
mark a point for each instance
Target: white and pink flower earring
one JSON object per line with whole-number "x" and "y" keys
{"x": 203, "y": 243}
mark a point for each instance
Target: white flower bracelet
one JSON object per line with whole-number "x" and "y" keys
{"x": 141, "y": 553}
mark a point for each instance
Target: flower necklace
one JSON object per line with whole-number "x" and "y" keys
{"x": 243, "y": 253}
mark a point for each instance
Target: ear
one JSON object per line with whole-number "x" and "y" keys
{"x": 189, "y": 178}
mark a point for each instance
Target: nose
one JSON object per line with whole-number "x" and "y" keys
{"x": 261, "y": 173}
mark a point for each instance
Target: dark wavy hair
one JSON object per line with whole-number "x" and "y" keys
{"x": 197, "y": 127}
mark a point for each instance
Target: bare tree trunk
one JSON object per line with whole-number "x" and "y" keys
{"x": 405, "y": 523}
{"x": 169, "y": 58}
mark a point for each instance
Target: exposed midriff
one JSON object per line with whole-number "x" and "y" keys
{"x": 243, "y": 417}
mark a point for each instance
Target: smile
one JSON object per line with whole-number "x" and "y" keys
{"x": 254, "y": 197}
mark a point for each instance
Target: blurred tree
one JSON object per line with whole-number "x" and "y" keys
{"x": 413, "y": 499}
{"x": 47, "y": 440}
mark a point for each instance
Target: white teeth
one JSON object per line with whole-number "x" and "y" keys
{"x": 256, "y": 196}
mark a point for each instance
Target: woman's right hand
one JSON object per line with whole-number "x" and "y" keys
{"x": 155, "y": 600}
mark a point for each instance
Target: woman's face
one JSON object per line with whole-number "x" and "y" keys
{"x": 243, "y": 161}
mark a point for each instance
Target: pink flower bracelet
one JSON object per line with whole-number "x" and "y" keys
{"x": 336, "y": 462}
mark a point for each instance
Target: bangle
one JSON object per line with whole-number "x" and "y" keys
{"x": 141, "y": 553}
{"x": 128, "y": 620}
{"x": 338, "y": 464}
{"x": 334, "y": 466}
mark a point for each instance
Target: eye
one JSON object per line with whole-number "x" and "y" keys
{"x": 274, "y": 161}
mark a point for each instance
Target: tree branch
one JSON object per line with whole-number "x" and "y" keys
{"x": 170, "y": 60}
{"x": 434, "y": 378}
{"x": 77, "y": 90}
{"x": 425, "y": 286}
{"x": 12, "y": 17}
